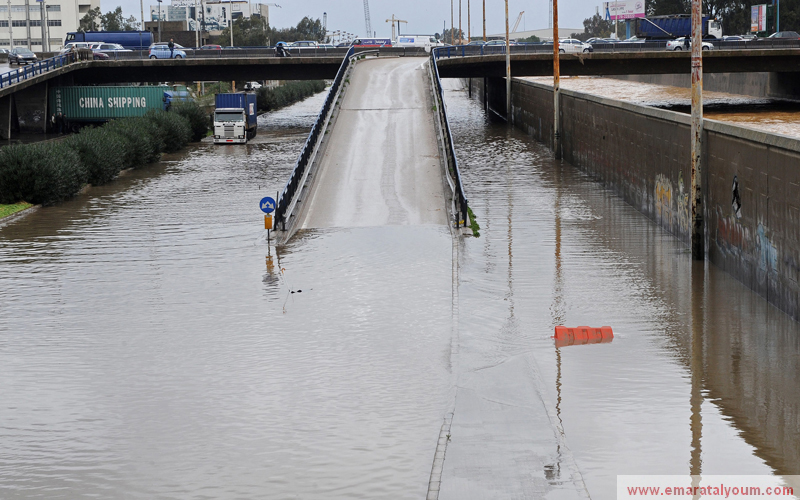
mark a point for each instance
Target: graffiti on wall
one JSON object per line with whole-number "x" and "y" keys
{"x": 672, "y": 209}
{"x": 735, "y": 239}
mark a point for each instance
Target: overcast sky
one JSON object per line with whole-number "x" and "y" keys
{"x": 423, "y": 16}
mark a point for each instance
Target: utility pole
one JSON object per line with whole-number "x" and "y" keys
{"x": 159, "y": 21}
{"x": 197, "y": 26}
{"x": 557, "y": 85}
{"x": 469, "y": 30}
{"x": 28, "y": 21}
{"x": 508, "y": 70}
{"x": 43, "y": 19}
{"x": 141, "y": 7}
{"x": 11, "y": 29}
{"x": 460, "y": 33}
{"x": 452, "y": 32}
{"x": 698, "y": 227}
{"x": 484, "y": 20}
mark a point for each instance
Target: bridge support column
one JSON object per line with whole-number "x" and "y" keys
{"x": 31, "y": 108}
{"x": 8, "y": 117}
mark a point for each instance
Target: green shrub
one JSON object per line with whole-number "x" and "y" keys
{"x": 143, "y": 137}
{"x": 291, "y": 92}
{"x": 198, "y": 119}
{"x": 172, "y": 127}
{"x": 42, "y": 173}
{"x": 101, "y": 152}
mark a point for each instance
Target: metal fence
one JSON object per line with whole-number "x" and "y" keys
{"x": 618, "y": 47}
{"x": 462, "y": 204}
{"x": 33, "y": 69}
{"x": 293, "y": 185}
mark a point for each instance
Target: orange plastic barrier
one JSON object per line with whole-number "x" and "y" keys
{"x": 582, "y": 335}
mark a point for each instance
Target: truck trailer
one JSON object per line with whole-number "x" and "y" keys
{"x": 133, "y": 40}
{"x": 675, "y": 26}
{"x": 81, "y": 105}
{"x": 235, "y": 118}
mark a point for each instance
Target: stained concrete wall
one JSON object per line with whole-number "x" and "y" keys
{"x": 643, "y": 154}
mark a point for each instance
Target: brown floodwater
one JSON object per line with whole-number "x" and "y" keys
{"x": 153, "y": 345}
{"x": 768, "y": 115}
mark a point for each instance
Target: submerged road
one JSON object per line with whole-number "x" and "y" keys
{"x": 381, "y": 166}
{"x": 152, "y": 345}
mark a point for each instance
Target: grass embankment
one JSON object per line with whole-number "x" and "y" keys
{"x": 48, "y": 172}
{"x": 270, "y": 99}
{"x": 6, "y": 210}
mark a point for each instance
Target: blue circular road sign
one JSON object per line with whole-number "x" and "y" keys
{"x": 267, "y": 205}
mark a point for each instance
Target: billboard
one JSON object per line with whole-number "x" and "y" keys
{"x": 623, "y": 9}
{"x": 758, "y": 18}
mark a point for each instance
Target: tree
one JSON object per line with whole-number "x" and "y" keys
{"x": 531, "y": 39}
{"x": 247, "y": 32}
{"x": 89, "y": 21}
{"x": 452, "y": 36}
{"x": 112, "y": 20}
{"x": 596, "y": 26}
{"x": 130, "y": 24}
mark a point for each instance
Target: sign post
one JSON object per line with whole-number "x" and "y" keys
{"x": 267, "y": 205}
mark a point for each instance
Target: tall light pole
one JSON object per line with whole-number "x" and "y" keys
{"x": 557, "y": 85}
{"x": 469, "y": 30}
{"x": 159, "y": 21}
{"x": 508, "y": 70}
{"x": 698, "y": 229}
{"x": 10, "y": 28}
{"x": 141, "y": 8}
{"x": 452, "y": 33}
{"x": 484, "y": 20}
{"x": 460, "y": 33}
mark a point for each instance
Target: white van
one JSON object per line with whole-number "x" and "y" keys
{"x": 425, "y": 41}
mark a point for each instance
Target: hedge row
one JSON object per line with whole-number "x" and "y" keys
{"x": 48, "y": 172}
{"x": 291, "y": 92}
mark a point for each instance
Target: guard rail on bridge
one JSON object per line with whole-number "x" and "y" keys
{"x": 461, "y": 202}
{"x": 33, "y": 69}
{"x": 251, "y": 52}
{"x": 618, "y": 47}
{"x": 293, "y": 185}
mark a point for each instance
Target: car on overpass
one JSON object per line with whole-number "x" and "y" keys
{"x": 108, "y": 47}
{"x": 573, "y": 46}
{"x": 683, "y": 44}
{"x": 21, "y": 55}
{"x": 784, "y": 35}
{"x": 161, "y": 51}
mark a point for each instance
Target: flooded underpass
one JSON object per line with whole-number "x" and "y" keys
{"x": 152, "y": 345}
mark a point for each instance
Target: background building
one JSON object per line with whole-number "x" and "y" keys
{"x": 214, "y": 16}
{"x": 26, "y": 22}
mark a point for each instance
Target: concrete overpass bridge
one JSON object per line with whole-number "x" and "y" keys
{"x": 472, "y": 65}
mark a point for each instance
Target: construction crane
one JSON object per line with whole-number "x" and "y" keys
{"x": 394, "y": 20}
{"x": 367, "y": 21}
{"x": 516, "y": 24}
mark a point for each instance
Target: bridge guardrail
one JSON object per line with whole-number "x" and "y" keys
{"x": 299, "y": 169}
{"x": 462, "y": 204}
{"x": 33, "y": 69}
{"x": 249, "y": 52}
{"x": 660, "y": 45}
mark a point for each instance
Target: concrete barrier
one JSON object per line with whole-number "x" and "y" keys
{"x": 751, "y": 179}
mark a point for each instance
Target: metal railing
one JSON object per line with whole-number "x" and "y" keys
{"x": 293, "y": 185}
{"x": 258, "y": 52}
{"x": 462, "y": 204}
{"x": 32, "y": 69}
{"x": 618, "y": 47}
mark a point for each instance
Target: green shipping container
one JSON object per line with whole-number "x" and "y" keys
{"x": 99, "y": 104}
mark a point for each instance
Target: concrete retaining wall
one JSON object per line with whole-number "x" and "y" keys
{"x": 643, "y": 155}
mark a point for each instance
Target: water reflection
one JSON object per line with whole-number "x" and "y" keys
{"x": 670, "y": 394}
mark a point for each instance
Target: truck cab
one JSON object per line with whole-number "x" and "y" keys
{"x": 230, "y": 126}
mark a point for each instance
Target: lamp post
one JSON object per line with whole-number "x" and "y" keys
{"x": 159, "y": 20}
{"x": 698, "y": 229}
{"x": 484, "y": 20}
{"x": 508, "y": 69}
{"x": 556, "y": 86}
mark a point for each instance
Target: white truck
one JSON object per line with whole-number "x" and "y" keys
{"x": 235, "y": 118}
